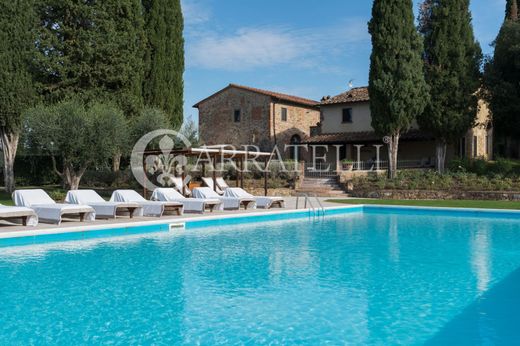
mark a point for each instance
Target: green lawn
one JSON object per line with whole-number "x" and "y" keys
{"x": 5, "y": 199}
{"x": 439, "y": 203}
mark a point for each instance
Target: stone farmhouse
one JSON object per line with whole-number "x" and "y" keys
{"x": 336, "y": 130}
{"x": 345, "y": 127}
{"x": 239, "y": 115}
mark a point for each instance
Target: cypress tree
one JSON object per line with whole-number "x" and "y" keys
{"x": 502, "y": 76}
{"x": 163, "y": 86}
{"x": 121, "y": 42}
{"x": 92, "y": 50}
{"x": 512, "y": 10}
{"x": 425, "y": 15}
{"x": 397, "y": 88}
{"x": 16, "y": 89}
{"x": 453, "y": 59}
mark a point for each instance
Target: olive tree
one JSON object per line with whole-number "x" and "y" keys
{"x": 75, "y": 137}
{"x": 148, "y": 120}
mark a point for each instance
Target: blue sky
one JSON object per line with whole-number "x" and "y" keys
{"x": 307, "y": 48}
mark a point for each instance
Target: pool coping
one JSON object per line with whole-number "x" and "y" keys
{"x": 161, "y": 221}
{"x": 168, "y": 224}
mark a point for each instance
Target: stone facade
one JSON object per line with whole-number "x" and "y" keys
{"x": 216, "y": 118}
{"x": 478, "y": 142}
{"x": 421, "y": 147}
{"x": 266, "y": 118}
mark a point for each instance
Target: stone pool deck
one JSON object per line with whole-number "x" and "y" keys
{"x": 8, "y": 230}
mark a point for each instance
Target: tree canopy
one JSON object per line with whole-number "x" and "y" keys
{"x": 92, "y": 50}
{"x": 17, "y": 21}
{"x": 452, "y": 65}
{"x": 164, "y": 59}
{"x": 74, "y": 135}
{"x": 398, "y": 92}
{"x": 512, "y": 10}
{"x": 502, "y": 76}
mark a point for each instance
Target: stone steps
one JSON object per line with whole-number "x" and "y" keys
{"x": 326, "y": 187}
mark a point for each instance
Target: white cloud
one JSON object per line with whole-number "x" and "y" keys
{"x": 250, "y": 48}
{"x": 195, "y": 12}
{"x": 247, "y": 48}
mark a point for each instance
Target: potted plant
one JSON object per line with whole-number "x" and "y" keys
{"x": 347, "y": 165}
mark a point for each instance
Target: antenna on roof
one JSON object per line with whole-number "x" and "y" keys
{"x": 351, "y": 84}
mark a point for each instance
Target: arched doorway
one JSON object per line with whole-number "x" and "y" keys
{"x": 295, "y": 153}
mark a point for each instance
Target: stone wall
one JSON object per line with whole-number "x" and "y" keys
{"x": 216, "y": 118}
{"x": 282, "y": 192}
{"x": 438, "y": 195}
{"x": 479, "y": 139}
{"x": 299, "y": 122}
{"x": 261, "y": 120}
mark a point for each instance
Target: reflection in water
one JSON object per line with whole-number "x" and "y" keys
{"x": 371, "y": 279}
{"x": 393, "y": 242}
{"x": 480, "y": 257}
{"x": 480, "y": 262}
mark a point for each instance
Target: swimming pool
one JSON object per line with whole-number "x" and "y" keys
{"x": 373, "y": 276}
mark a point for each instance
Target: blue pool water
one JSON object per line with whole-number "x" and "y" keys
{"x": 373, "y": 277}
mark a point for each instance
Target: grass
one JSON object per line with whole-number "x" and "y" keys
{"x": 436, "y": 203}
{"x": 5, "y": 198}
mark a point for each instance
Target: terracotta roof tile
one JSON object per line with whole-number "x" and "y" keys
{"x": 351, "y": 96}
{"x": 280, "y": 96}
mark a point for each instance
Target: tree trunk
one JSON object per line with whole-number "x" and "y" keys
{"x": 441, "y": 149}
{"x": 73, "y": 178}
{"x": 393, "y": 148}
{"x": 116, "y": 163}
{"x": 9, "y": 147}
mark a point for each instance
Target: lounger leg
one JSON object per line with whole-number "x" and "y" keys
{"x": 81, "y": 217}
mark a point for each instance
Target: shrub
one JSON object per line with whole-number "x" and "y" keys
{"x": 479, "y": 166}
{"x": 502, "y": 166}
{"x": 430, "y": 180}
{"x": 57, "y": 195}
{"x": 75, "y": 135}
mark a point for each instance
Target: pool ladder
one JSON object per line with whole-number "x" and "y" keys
{"x": 314, "y": 210}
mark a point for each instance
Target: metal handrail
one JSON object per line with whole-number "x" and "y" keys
{"x": 308, "y": 200}
{"x": 321, "y": 205}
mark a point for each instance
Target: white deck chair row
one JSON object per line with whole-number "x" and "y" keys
{"x": 223, "y": 189}
{"x": 35, "y": 205}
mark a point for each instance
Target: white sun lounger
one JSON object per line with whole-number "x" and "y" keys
{"x": 178, "y": 183}
{"x": 103, "y": 208}
{"x": 261, "y": 202}
{"x": 221, "y": 184}
{"x": 209, "y": 183}
{"x": 25, "y": 216}
{"x": 150, "y": 208}
{"x": 230, "y": 203}
{"x": 48, "y": 210}
{"x": 194, "y": 205}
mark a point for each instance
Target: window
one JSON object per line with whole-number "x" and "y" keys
{"x": 462, "y": 148}
{"x": 284, "y": 114}
{"x": 347, "y": 115}
{"x": 475, "y": 146}
{"x": 237, "y": 115}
